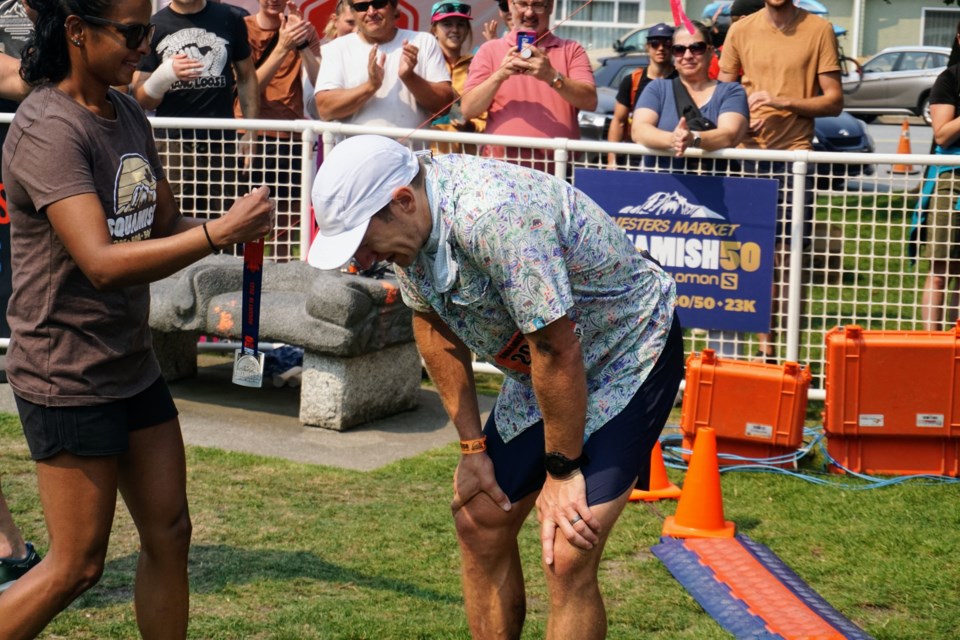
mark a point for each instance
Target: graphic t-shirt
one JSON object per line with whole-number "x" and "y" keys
{"x": 71, "y": 344}
{"x": 216, "y": 36}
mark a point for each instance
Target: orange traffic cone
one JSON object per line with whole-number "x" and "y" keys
{"x": 904, "y": 147}
{"x": 700, "y": 512}
{"x": 660, "y": 486}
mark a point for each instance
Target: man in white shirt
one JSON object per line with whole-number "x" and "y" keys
{"x": 382, "y": 75}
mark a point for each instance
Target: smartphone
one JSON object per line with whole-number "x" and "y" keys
{"x": 525, "y": 38}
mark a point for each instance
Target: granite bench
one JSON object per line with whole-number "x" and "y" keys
{"x": 360, "y": 361}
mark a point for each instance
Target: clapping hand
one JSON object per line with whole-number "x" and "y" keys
{"x": 293, "y": 33}
{"x": 408, "y": 62}
{"x": 375, "y": 63}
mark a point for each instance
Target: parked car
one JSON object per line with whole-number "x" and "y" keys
{"x": 594, "y": 125}
{"x": 633, "y": 41}
{"x": 843, "y": 133}
{"x": 895, "y": 81}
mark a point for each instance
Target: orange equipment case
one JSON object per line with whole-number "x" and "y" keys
{"x": 892, "y": 402}
{"x": 757, "y": 409}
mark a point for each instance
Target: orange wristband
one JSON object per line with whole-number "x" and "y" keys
{"x": 473, "y": 446}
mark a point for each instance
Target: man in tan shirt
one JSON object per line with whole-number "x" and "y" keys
{"x": 791, "y": 72}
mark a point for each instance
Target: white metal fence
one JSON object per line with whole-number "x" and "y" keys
{"x": 855, "y": 270}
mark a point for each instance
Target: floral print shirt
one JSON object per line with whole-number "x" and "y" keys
{"x": 528, "y": 249}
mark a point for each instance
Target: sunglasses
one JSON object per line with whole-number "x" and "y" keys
{"x": 696, "y": 48}
{"x": 133, "y": 34}
{"x": 362, "y": 7}
{"x": 657, "y": 43}
{"x": 452, "y": 7}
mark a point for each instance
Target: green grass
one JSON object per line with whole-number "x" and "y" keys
{"x": 285, "y": 550}
{"x": 874, "y": 283}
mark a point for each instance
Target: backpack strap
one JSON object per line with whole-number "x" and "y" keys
{"x": 271, "y": 45}
{"x": 636, "y": 77}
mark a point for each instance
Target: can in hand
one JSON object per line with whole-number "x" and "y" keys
{"x": 525, "y": 39}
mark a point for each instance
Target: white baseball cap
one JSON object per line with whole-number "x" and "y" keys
{"x": 354, "y": 182}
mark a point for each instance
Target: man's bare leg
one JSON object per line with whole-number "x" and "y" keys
{"x": 493, "y": 590}
{"x": 576, "y": 606}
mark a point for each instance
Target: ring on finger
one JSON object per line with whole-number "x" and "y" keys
{"x": 574, "y": 520}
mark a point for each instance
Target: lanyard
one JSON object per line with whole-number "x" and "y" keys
{"x": 248, "y": 362}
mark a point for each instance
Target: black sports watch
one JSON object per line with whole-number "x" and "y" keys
{"x": 560, "y": 466}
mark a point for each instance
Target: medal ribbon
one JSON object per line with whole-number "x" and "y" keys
{"x": 252, "y": 278}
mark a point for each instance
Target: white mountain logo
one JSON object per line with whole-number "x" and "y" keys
{"x": 674, "y": 204}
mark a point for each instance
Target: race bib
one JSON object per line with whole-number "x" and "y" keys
{"x": 515, "y": 355}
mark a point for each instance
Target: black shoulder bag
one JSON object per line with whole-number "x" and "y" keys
{"x": 686, "y": 108}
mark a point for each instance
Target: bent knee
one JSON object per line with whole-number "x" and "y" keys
{"x": 89, "y": 576}
{"x": 572, "y": 565}
{"x": 481, "y": 526}
{"x": 72, "y": 578}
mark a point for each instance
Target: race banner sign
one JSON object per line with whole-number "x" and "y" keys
{"x": 714, "y": 235}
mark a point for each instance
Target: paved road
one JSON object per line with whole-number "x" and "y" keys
{"x": 886, "y": 134}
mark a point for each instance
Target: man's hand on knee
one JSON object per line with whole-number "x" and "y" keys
{"x": 562, "y": 504}
{"x": 474, "y": 475}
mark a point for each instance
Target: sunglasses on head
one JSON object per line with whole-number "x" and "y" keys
{"x": 133, "y": 34}
{"x": 656, "y": 43}
{"x": 362, "y": 7}
{"x": 453, "y": 7}
{"x": 696, "y": 48}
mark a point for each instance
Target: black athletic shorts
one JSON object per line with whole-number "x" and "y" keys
{"x": 94, "y": 430}
{"x": 618, "y": 452}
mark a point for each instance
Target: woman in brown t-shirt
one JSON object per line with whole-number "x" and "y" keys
{"x": 93, "y": 222}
